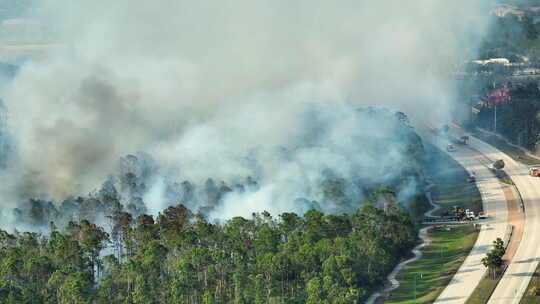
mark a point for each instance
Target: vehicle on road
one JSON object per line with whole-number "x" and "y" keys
{"x": 471, "y": 178}
{"x": 534, "y": 171}
{"x": 469, "y": 215}
{"x": 481, "y": 215}
{"x": 459, "y": 141}
{"x": 451, "y": 148}
{"x": 462, "y": 214}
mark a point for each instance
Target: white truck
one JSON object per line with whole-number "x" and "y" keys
{"x": 469, "y": 215}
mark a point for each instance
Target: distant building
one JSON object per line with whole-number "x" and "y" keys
{"x": 503, "y": 10}
{"x": 501, "y": 61}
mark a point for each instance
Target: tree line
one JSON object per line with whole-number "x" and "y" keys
{"x": 105, "y": 248}
{"x": 179, "y": 257}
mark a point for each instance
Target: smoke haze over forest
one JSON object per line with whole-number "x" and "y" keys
{"x": 266, "y": 89}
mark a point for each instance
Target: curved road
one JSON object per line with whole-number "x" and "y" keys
{"x": 516, "y": 278}
{"x": 494, "y": 203}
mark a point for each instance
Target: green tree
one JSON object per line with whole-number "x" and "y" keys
{"x": 498, "y": 164}
{"x": 493, "y": 259}
{"x": 315, "y": 291}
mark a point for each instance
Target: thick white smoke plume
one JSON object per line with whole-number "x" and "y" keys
{"x": 203, "y": 85}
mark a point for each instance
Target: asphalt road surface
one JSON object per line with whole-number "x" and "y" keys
{"x": 518, "y": 274}
{"x": 494, "y": 203}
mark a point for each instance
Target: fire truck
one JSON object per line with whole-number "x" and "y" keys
{"x": 534, "y": 171}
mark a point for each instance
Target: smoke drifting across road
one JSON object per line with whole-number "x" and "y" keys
{"x": 203, "y": 86}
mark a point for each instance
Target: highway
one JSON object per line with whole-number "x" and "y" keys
{"x": 519, "y": 272}
{"x": 494, "y": 203}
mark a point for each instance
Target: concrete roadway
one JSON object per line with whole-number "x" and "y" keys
{"x": 494, "y": 203}
{"x": 518, "y": 274}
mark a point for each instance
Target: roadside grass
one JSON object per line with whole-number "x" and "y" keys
{"x": 483, "y": 291}
{"x": 515, "y": 153}
{"x": 451, "y": 186}
{"x": 528, "y": 297}
{"x": 440, "y": 260}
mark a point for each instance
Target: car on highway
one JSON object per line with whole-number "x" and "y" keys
{"x": 451, "y": 148}
{"x": 534, "y": 171}
{"x": 471, "y": 178}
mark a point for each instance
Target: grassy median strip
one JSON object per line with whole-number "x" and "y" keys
{"x": 451, "y": 186}
{"x": 426, "y": 278}
{"x": 483, "y": 291}
{"x": 530, "y": 296}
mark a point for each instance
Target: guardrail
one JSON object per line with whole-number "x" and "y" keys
{"x": 445, "y": 220}
{"x": 519, "y": 198}
{"x": 508, "y": 235}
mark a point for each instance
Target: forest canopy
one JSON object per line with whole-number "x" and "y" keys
{"x": 182, "y": 258}
{"x": 107, "y": 247}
